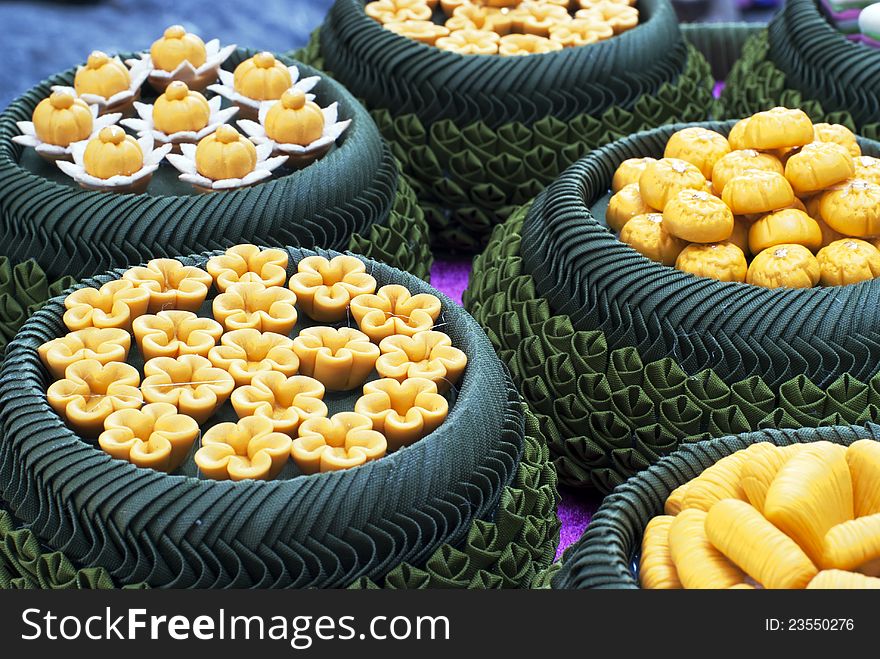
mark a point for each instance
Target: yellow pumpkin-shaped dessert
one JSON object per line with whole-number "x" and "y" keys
{"x": 757, "y": 191}
{"x": 262, "y": 77}
{"x": 698, "y": 217}
{"x": 778, "y": 128}
{"x": 112, "y": 153}
{"x": 723, "y": 261}
{"x": 62, "y": 119}
{"x": 736, "y": 136}
{"x": 818, "y": 166}
{"x": 785, "y": 226}
{"x": 294, "y": 120}
{"x": 102, "y": 76}
{"x": 645, "y": 234}
{"x": 624, "y": 206}
{"x": 740, "y": 162}
{"x": 515, "y": 45}
{"x": 180, "y": 109}
{"x": 867, "y": 168}
{"x": 740, "y": 235}
{"x": 848, "y": 261}
{"x": 628, "y": 172}
{"x": 852, "y": 208}
{"x": 177, "y": 46}
{"x": 838, "y": 135}
{"x": 784, "y": 266}
{"x": 698, "y": 146}
{"x": 811, "y": 208}
{"x": 470, "y": 42}
{"x": 225, "y": 154}
{"x": 665, "y": 178}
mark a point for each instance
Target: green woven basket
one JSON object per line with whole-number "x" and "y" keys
{"x": 472, "y": 504}
{"x": 800, "y": 60}
{"x": 353, "y": 198}
{"x": 607, "y": 554}
{"x": 480, "y": 135}
{"x": 623, "y": 358}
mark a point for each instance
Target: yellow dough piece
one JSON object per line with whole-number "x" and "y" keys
{"x": 512, "y": 45}
{"x": 852, "y": 544}
{"x": 625, "y": 205}
{"x": 698, "y": 217}
{"x": 848, "y": 261}
{"x": 470, "y": 42}
{"x": 180, "y": 109}
{"x": 790, "y": 226}
{"x": 863, "y": 458}
{"x": 112, "y": 153}
{"x": 757, "y": 191}
{"x": 102, "y": 76}
{"x": 840, "y": 579}
{"x": 656, "y": 569}
{"x": 838, "y": 135}
{"x": 758, "y": 472}
{"x": 645, "y": 234}
{"x": 867, "y": 169}
{"x": 294, "y": 119}
{"x": 740, "y": 162}
{"x": 665, "y": 178}
{"x": 225, "y": 154}
{"x": 629, "y": 171}
{"x": 262, "y": 77}
{"x": 784, "y": 266}
{"x": 697, "y": 562}
{"x": 177, "y": 46}
{"x": 778, "y": 128}
{"x": 723, "y": 261}
{"x": 852, "y": 208}
{"x": 698, "y": 146}
{"x": 818, "y": 166}
{"x": 62, "y": 119}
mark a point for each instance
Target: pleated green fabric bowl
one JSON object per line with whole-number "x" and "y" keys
{"x": 470, "y": 505}
{"x": 800, "y": 60}
{"x": 623, "y": 358}
{"x": 353, "y": 198}
{"x": 479, "y": 135}
{"x": 606, "y": 556}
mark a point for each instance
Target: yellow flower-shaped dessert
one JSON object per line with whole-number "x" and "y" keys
{"x": 838, "y": 135}
{"x": 177, "y": 46}
{"x": 698, "y": 217}
{"x": 402, "y": 411}
{"x": 646, "y": 235}
{"x": 428, "y": 355}
{"x": 62, "y": 119}
{"x": 778, "y": 128}
{"x": 852, "y": 208}
{"x": 246, "y": 352}
{"x": 115, "y": 304}
{"x": 262, "y": 77}
{"x": 422, "y": 31}
{"x": 343, "y": 441}
{"x": 580, "y": 32}
{"x": 628, "y": 172}
{"x": 180, "y": 109}
{"x": 91, "y": 391}
{"x": 246, "y": 264}
{"x": 175, "y": 333}
{"x": 284, "y": 401}
{"x": 476, "y": 17}
{"x": 723, "y": 261}
{"x": 153, "y": 437}
{"x": 848, "y": 261}
{"x": 665, "y": 178}
{"x": 620, "y": 16}
{"x": 757, "y": 191}
{"x": 470, "y": 42}
{"x": 248, "y": 449}
{"x": 537, "y": 18}
{"x": 698, "y": 146}
{"x": 624, "y": 205}
{"x": 515, "y": 45}
{"x": 784, "y": 266}
{"x": 818, "y": 166}
{"x": 252, "y": 305}
{"x": 105, "y": 345}
{"x": 341, "y": 359}
{"x": 189, "y": 382}
{"x": 393, "y": 310}
{"x": 325, "y": 288}
{"x": 867, "y": 169}
{"x": 786, "y": 226}
{"x": 112, "y": 153}
{"x": 295, "y": 119}
{"x": 397, "y": 11}
{"x": 102, "y": 75}
{"x": 740, "y": 162}
{"x": 171, "y": 284}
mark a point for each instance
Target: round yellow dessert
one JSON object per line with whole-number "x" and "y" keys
{"x": 698, "y": 146}
{"x": 177, "y": 46}
{"x": 262, "y": 77}
{"x": 723, "y": 261}
{"x": 784, "y": 266}
{"x": 778, "y": 128}
{"x": 294, "y": 120}
{"x": 838, "y": 135}
{"x": 628, "y": 172}
{"x": 740, "y": 162}
{"x": 225, "y": 154}
{"x": 102, "y": 76}
{"x": 790, "y": 226}
{"x": 180, "y": 109}
{"x": 740, "y": 235}
{"x": 698, "y": 217}
{"x": 817, "y": 166}
{"x": 624, "y": 206}
{"x": 62, "y": 119}
{"x": 848, "y": 261}
{"x": 852, "y": 208}
{"x": 112, "y": 153}
{"x": 757, "y": 191}
{"x": 736, "y": 137}
{"x": 867, "y": 168}
{"x": 645, "y": 234}
{"x": 665, "y": 178}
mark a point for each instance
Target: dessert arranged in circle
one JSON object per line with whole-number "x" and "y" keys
{"x": 779, "y": 202}
{"x": 505, "y": 27}
{"x": 81, "y": 127}
{"x": 284, "y": 358}
{"x": 797, "y": 516}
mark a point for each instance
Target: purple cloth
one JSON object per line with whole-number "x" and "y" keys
{"x": 576, "y": 507}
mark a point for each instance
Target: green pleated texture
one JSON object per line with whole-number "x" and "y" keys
{"x": 720, "y": 43}
{"x": 351, "y": 198}
{"x": 606, "y": 555}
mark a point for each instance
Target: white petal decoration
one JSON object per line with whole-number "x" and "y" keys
{"x": 294, "y": 73}
{"x": 153, "y": 158}
{"x": 27, "y": 140}
{"x": 26, "y": 128}
{"x": 263, "y": 152}
{"x": 337, "y": 129}
{"x": 196, "y": 179}
{"x": 144, "y": 111}
{"x": 182, "y": 164}
{"x": 251, "y": 128}
{"x": 307, "y": 84}
{"x": 189, "y": 151}
{"x": 52, "y": 150}
{"x": 214, "y": 104}
{"x": 69, "y": 168}
{"x": 227, "y": 78}
{"x": 105, "y": 120}
{"x": 254, "y": 176}
{"x": 146, "y": 143}
{"x": 331, "y": 113}
{"x": 137, "y": 125}
{"x": 78, "y": 150}
{"x": 271, "y": 163}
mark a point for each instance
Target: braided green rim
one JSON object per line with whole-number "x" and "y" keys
{"x": 604, "y": 556}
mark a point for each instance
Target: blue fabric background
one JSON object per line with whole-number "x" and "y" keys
{"x": 42, "y": 38}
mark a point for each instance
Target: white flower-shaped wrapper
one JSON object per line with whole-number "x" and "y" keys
{"x": 195, "y": 78}
{"x": 134, "y": 182}
{"x": 137, "y": 71}
{"x": 144, "y": 124}
{"x": 185, "y": 163}
{"x": 333, "y": 128}
{"x": 29, "y": 137}
{"x": 226, "y": 88}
